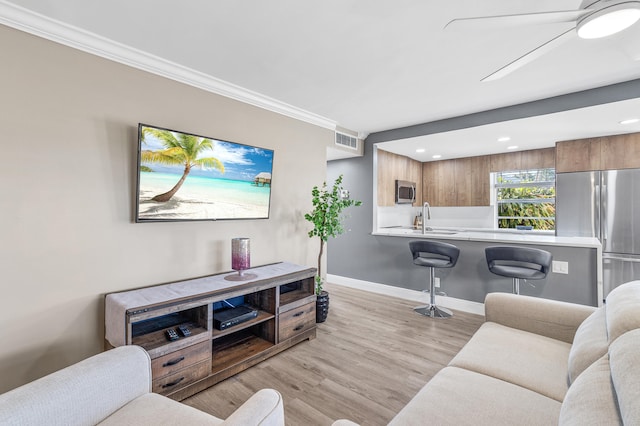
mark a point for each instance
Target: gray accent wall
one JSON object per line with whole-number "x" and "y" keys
{"x": 362, "y": 256}
{"x": 387, "y": 260}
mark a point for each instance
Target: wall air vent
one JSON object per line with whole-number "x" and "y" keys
{"x": 346, "y": 141}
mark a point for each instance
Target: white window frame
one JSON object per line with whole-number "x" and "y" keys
{"x": 495, "y": 186}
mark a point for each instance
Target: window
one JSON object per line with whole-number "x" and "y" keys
{"x": 526, "y": 198}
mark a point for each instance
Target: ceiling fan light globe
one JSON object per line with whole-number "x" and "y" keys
{"x": 608, "y": 21}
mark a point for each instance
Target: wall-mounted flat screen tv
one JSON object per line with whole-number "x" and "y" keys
{"x": 182, "y": 176}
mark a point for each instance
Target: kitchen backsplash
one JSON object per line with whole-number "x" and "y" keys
{"x": 450, "y": 217}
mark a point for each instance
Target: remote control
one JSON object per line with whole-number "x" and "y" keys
{"x": 184, "y": 330}
{"x": 171, "y": 334}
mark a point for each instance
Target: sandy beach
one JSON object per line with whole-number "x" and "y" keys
{"x": 200, "y": 198}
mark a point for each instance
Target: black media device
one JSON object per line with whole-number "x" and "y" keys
{"x": 184, "y": 330}
{"x": 171, "y": 334}
{"x": 233, "y": 316}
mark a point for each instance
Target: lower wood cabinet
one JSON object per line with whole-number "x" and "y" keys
{"x": 280, "y": 302}
{"x": 181, "y": 378}
{"x": 297, "y": 320}
{"x": 181, "y": 367}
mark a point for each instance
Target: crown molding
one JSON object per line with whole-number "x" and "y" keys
{"x": 34, "y": 23}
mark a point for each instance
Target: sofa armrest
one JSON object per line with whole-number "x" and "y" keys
{"x": 343, "y": 422}
{"x": 264, "y": 408}
{"x": 550, "y": 318}
{"x": 84, "y": 393}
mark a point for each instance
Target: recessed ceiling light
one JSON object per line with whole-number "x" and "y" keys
{"x": 608, "y": 21}
{"x": 630, "y": 121}
{"x": 512, "y": 147}
{"x": 504, "y": 139}
{"x": 436, "y": 156}
{"x": 420, "y": 150}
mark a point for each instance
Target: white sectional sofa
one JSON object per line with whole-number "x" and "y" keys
{"x": 114, "y": 388}
{"x": 540, "y": 362}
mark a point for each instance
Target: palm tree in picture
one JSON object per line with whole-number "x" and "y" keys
{"x": 179, "y": 149}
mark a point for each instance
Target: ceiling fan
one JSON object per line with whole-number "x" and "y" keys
{"x": 594, "y": 19}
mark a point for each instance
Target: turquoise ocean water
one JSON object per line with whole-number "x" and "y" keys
{"x": 205, "y": 189}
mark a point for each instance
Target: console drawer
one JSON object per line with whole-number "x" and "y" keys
{"x": 170, "y": 363}
{"x": 182, "y": 377}
{"x": 296, "y": 321}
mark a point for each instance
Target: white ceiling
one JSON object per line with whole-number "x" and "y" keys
{"x": 373, "y": 65}
{"x": 528, "y": 133}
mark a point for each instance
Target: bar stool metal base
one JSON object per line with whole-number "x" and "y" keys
{"x": 516, "y": 285}
{"x": 433, "y": 311}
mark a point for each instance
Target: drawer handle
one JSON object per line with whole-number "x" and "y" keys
{"x": 173, "y": 362}
{"x": 168, "y": 385}
{"x": 298, "y": 328}
{"x": 297, "y": 314}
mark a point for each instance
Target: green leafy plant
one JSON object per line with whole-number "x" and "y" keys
{"x": 327, "y": 217}
{"x": 521, "y": 206}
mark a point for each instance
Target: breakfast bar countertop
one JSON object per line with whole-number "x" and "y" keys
{"x": 489, "y": 235}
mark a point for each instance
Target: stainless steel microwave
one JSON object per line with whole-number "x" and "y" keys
{"x": 405, "y": 192}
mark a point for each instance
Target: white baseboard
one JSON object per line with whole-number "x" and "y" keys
{"x": 405, "y": 293}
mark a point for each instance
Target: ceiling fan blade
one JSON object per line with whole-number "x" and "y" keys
{"x": 489, "y": 22}
{"x": 532, "y": 55}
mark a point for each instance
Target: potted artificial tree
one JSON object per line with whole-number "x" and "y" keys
{"x": 328, "y": 204}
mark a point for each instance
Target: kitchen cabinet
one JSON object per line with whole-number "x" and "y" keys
{"x": 472, "y": 181}
{"x": 604, "y": 153}
{"x": 578, "y": 156}
{"x": 459, "y": 182}
{"x": 538, "y": 159}
{"x": 506, "y": 161}
{"x": 439, "y": 183}
{"x": 523, "y": 160}
{"x": 620, "y": 152}
{"x": 392, "y": 167}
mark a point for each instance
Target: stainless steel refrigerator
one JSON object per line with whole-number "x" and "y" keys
{"x": 605, "y": 205}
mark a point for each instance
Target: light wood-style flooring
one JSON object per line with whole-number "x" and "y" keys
{"x": 370, "y": 357}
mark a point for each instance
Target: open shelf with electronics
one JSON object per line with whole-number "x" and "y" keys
{"x": 201, "y": 331}
{"x": 296, "y": 291}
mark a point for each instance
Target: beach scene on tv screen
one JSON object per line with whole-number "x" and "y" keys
{"x": 188, "y": 177}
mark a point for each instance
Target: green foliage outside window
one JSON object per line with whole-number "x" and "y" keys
{"x": 531, "y": 204}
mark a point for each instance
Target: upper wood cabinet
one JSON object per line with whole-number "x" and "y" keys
{"x": 392, "y": 167}
{"x": 439, "y": 183}
{"x": 579, "y": 155}
{"x": 604, "y": 153}
{"x": 523, "y": 160}
{"x": 458, "y": 182}
{"x": 465, "y": 181}
{"x": 472, "y": 181}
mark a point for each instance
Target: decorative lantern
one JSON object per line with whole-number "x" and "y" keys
{"x": 240, "y": 259}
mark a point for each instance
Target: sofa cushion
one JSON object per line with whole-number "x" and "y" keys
{"x": 622, "y": 310}
{"x": 624, "y": 358}
{"x": 589, "y": 344}
{"x": 460, "y": 397}
{"x": 83, "y": 393}
{"x": 591, "y": 399}
{"x": 154, "y": 409}
{"x": 525, "y": 359}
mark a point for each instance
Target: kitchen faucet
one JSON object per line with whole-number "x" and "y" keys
{"x": 426, "y": 214}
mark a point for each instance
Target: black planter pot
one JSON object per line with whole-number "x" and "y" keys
{"x": 322, "y": 306}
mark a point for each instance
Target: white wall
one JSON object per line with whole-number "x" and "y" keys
{"x": 449, "y": 217}
{"x": 68, "y": 123}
